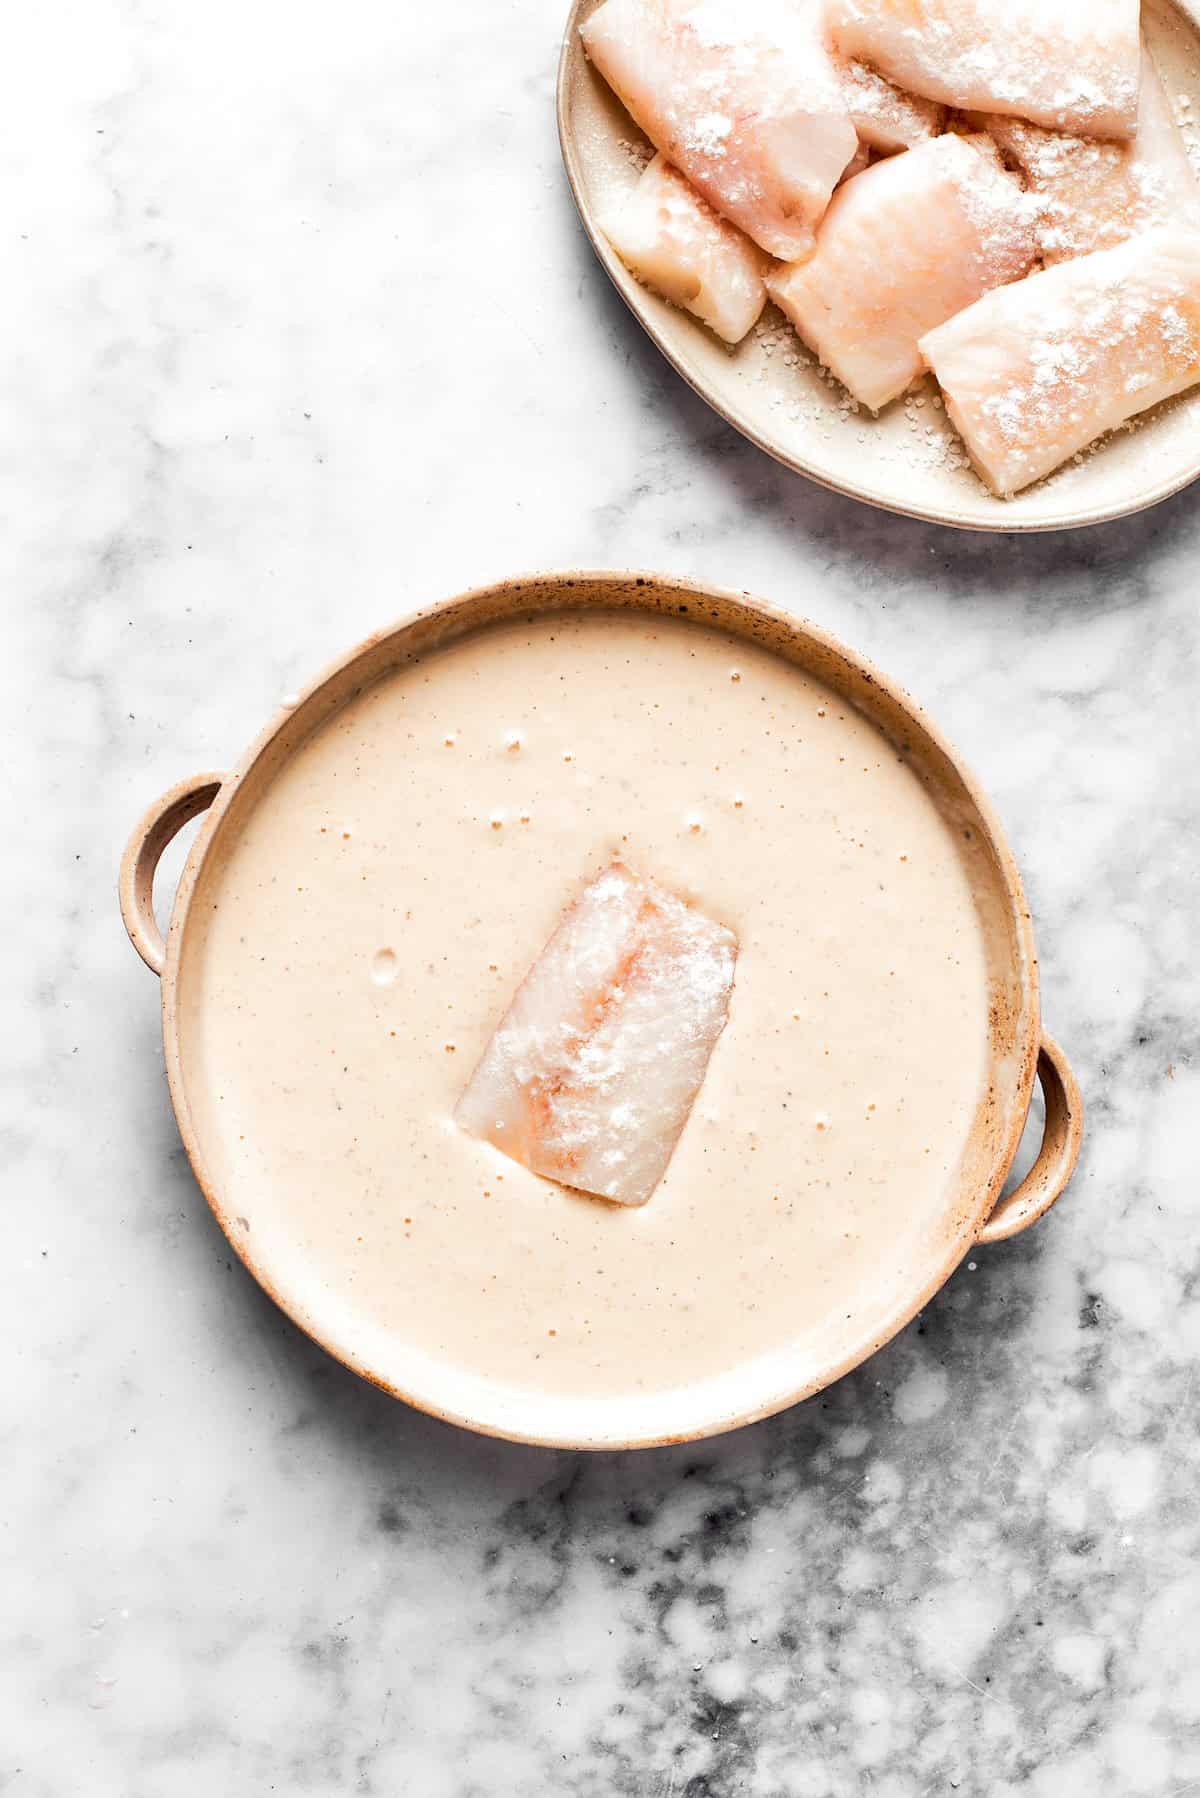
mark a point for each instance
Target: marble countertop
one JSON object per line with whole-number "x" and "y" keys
{"x": 300, "y": 329}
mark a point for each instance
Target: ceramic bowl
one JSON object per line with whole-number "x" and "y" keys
{"x": 1018, "y": 1052}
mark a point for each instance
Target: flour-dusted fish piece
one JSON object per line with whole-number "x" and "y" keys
{"x": 672, "y": 240}
{"x": 1035, "y": 372}
{"x": 591, "y": 1074}
{"x": 886, "y": 119}
{"x": 742, "y": 97}
{"x": 1068, "y": 64}
{"x": 903, "y": 247}
{"x": 1092, "y": 194}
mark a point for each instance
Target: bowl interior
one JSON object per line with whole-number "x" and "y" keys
{"x": 909, "y": 1274}
{"x": 772, "y": 390}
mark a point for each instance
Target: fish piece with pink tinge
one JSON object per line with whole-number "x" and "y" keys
{"x": 672, "y": 240}
{"x": 1035, "y": 372}
{"x": 592, "y": 1072}
{"x": 903, "y": 247}
{"x": 1069, "y": 64}
{"x": 742, "y": 99}
{"x": 860, "y": 160}
{"x": 1091, "y": 194}
{"x": 886, "y": 119}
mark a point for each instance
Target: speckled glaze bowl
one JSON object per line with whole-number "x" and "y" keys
{"x": 1017, "y": 1051}
{"x": 770, "y": 389}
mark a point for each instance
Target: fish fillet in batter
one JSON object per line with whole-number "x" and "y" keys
{"x": 591, "y": 1074}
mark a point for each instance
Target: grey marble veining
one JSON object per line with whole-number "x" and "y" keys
{"x": 299, "y": 327}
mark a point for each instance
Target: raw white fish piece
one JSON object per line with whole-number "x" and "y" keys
{"x": 743, "y": 99}
{"x": 1035, "y": 372}
{"x": 1091, "y": 194}
{"x": 902, "y": 248}
{"x": 886, "y": 119}
{"x": 591, "y": 1074}
{"x": 1068, "y": 64}
{"x": 860, "y": 160}
{"x": 671, "y": 239}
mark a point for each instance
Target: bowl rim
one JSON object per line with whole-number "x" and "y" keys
{"x": 558, "y": 590}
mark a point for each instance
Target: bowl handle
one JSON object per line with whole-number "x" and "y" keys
{"x": 1047, "y": 1178}
{"x": 143, "y": 853}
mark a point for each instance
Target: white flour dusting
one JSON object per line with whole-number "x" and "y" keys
{"x": 1038, "y": 371}
{"x": 743, "y": 100}
{"x": 1064, "y": 63}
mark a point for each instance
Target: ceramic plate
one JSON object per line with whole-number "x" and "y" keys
{"x": 774, "y": 392}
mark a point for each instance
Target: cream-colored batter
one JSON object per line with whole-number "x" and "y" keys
{"x": 393, "y": 887}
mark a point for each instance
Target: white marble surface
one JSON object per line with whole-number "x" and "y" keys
{"x": 299, "y": 328}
